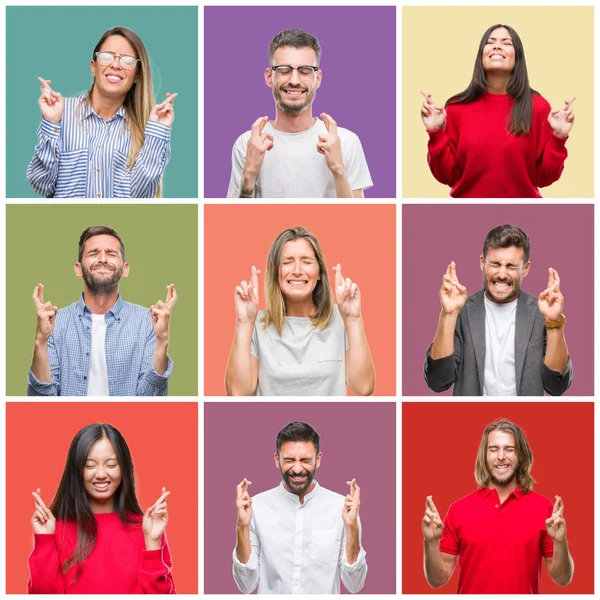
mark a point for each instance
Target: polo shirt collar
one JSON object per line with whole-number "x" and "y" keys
{"x": 517, "y": 492}
{"x": 115, "y": 310}
{"x": 294, "y": 499}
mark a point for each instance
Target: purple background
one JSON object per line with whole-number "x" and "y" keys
{"x": 358, "y": 60}
{"x": 561, "y": 236}
{"x": 358, "y": 439}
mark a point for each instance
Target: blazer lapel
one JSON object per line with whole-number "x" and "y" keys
{"x": 523, "y": 326}
{"x": 476, "y": 315}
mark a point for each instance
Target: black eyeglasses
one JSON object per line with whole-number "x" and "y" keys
{"x": 107, "y": 58}
{"x": 285, "y": 71}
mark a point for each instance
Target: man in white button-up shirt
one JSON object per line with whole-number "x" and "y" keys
{"x": 298, "y": 538}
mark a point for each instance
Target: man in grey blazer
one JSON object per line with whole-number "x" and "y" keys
{"x": 501, "y": 341}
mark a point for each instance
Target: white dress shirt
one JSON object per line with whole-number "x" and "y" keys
{"x": 298, "y": 548}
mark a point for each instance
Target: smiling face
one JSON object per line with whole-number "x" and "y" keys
{"x": 499, "y": 52}
{"x": 299, "y": 270}
{"x": 102, "y": 265}
{"x": 113, "y": 80}
{"x": 501, "y": 457}
{"x": 101, "y": 476}
{"x": 295, "y": 93}
{"x": 503, "y": 271}
{"x": 297, "y": 463}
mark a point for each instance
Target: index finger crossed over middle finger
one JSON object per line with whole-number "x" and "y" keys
{"x": 430, "y": 504}
{"x": 259, "y": 125}
{"x": 38, "y": 295}
{"x": 242, "y": 487}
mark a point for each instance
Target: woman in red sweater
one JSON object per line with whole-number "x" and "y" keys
{"x": 498, "y": 138}
{"x": 94, "y": 538}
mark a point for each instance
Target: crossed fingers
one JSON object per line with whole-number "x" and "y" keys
{"x": 167, "y": 105}
{"x": 48, "y": 94}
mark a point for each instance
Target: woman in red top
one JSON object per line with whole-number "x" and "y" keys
{"x": 498, "y": 138}
{"x": 94, "y": 538}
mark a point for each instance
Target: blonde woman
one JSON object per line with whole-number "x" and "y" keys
{"x": 302, "y": 344}
{"x": 112, "y": 141}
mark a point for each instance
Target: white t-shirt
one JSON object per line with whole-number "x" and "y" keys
{"x": 499, "y": 377}
{"x": 294, "y": 168}
{"x": 98, "y": 385}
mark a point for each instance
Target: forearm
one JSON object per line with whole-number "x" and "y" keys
{"x": 352, "y": 543}
{"x": 248, "y": 185}
{"x": 359, "y": 363}
{"x": 561, "y": 566}
{"x": 243, "y": 549}
{"x": 436, "y": 571}
{"x": 557, "y": 355}
{"x": 40, "y": 365}
{"x": 160, "y": 358}
{"x": 342, "y": 185}
{"x": 239, "y": 379}
{"x": 443, "y": 342}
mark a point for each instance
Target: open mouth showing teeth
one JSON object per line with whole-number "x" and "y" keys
{"x": 114, "y": 78}
{"x": 294, "y": 92}
{"x": 496, "y": 56}
{"x": 297, "y": 283}
{"x": 101, "y": 487}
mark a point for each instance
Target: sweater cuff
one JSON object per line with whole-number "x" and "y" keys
{"x": 44, "y": 540}
{"x": 558, "y": 142}
{"x": 158, "y": 130}
{"x": 152, "y": 561}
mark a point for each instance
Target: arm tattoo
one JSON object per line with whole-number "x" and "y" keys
{"x": 248, "y": 192}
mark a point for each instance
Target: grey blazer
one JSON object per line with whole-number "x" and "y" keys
{"x": 465, "y": 368}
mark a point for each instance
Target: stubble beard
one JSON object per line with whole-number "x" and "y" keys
{"x": 294, "y": 109}
{"x": 505, "y": 481}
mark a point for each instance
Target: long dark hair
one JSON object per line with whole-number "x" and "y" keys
{"x": 71, "y": 503}
{"x": 518, "y": 86}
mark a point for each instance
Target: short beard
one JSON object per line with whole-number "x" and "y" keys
{"x": 294, "y": 487}
{"x": 503, "y": 482}
{"x": 294, "y": 109}
{"x": 515, "y": 293}
{"x": 101, "y": 286}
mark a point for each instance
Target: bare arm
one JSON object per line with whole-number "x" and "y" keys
{"x": 550, "y": 304}
{"x": 360, "y": 371}
{"x": 439, "y": 565}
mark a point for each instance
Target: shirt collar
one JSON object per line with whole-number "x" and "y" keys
{"x": 485, "y": 492}
{"x": 290, "y": 497}
{"x": 115, "y": 310}
{"x": 87, "y": 110}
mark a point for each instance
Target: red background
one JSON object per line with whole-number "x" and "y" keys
{"x": 439, "y": 448}
{"x": 163, "y": 440}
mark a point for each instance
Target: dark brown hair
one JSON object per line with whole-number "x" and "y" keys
{"x": 505, "y": 236}
{"x": 296, "y": 38}
{"x": 98, "y": 230}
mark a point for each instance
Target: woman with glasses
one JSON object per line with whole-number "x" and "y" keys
{"x": 498, "y": 137}
{"x": 302, "y": 344}
{"x": 94, "y": 538}
{"x": 112, "y": 141}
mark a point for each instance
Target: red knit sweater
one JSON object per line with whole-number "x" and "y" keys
{"x": 477, "y": 157}
{"x": 118, "y": 564}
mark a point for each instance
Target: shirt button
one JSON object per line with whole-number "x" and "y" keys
{"x": 87, "y": 353}
{"x": 99, "y": 146}
{"x": 99, "y": 195}
{"x": 97, "y": 170}
{"x": 56, "y": 131}
{"x": 497, "y": 506}
{"x": 85, "y": 377}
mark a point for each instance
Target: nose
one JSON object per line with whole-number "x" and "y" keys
{"x": 115, "y": 64}
{"x": 501, "y": 453}
{"x": 297, "y": 266}
{"x": 103, "y": 255}
{"x": 100, "y": 472}
{"x": 297, "y": 469}
{"x": 295, "y": 77}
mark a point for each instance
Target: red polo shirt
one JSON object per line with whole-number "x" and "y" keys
{"x": 500, "y": 546}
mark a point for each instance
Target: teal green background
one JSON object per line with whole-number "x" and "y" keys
{"x": 57, "y": 42}
{"x": 161, "y": 247}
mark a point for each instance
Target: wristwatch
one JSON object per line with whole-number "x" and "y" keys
{"x": 555, "y": 324}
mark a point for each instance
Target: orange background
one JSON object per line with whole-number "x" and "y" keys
{"x": 163, "y": 440}
{"x": 360, "y": 237}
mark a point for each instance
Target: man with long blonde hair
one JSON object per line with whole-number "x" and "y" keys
{"x": 502, "y": 530}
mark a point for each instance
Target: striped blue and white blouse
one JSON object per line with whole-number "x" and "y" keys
{"x": 85, "y": 156}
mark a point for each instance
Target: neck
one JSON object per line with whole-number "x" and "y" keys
{"x": 304, "y": 308}
{"x": 497, "y": 83}
{"x": 104, "y": 106}
{"x": 293, "y": 122}
{"x": 504, "y": 491}
{"x": 301, "y": 496}
{"x": 101, "y": 302}
{"x": 102, "y": 508}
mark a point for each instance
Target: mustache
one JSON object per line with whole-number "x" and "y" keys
{"x": 102, "y": 266}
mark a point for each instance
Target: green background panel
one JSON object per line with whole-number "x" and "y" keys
{"x": 57, "y": 43}
{"x": 161, "y": 246}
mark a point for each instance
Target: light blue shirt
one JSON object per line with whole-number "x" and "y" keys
{"x": 130, "y": 342}
{"x": 85, "y": 156}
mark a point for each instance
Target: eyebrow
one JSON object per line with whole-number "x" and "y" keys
{"x": 301, "y": 459}
{"x": 98, "y": 248}
{"x": 286, "y": 256}
{"x": 93, "y": 460}
{"x": 501, "y": 39}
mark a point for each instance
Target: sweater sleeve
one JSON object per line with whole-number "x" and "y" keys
{"x": 44, "y": 566}
{"x": 441, "y": 152}
{"x": 552, "y": 151}
{"x": 155, "y": 571}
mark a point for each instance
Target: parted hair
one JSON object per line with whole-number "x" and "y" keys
{"x": 524, "y": 455}
{"x": 139, "y": 101}
{"x": 297, "y": 38}
{"x": 505, "y": 236}
{"x": 322, "y": 296}
{"x": 98, "y": 230}
{"x": 298, "y": 431}
{"x": 71, "y": 503}
{"x": 519, "y": 121}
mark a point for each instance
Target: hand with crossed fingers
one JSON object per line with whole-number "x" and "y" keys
{"x": 163, "y": 113}
{"x": 433, "y": 115}
{"x": 161, "y": 313}
{"x": 562, "y": 119}
{"x": 43, "y": 521}
{"x": 330, "y": 145}
{"x": 46, "y": 314}
{"x": 258, "y": 145}
{"x": 51, "y": 103}
{"x": 155, "y": 521}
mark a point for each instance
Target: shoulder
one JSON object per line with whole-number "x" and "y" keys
{"x": 528, "y": 299}
{"x": 134, "y": 312}
{"x": 242, "y": 140}
{"x": 347, "y": 136}
{"x": 540, "y": 104}
{"x": 264, "y": 498}
{"x": 466, "y": 503}
{"x": 538, "y": 500}
{"x": 477, "y": 297}
{"x": 66, "y": 313}
{"x": 330, "y": 496}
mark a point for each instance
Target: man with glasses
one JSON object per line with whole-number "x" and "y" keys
{"x": 297, "y": 155}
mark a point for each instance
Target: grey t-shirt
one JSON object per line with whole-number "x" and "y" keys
{"x": 304, "y": 361}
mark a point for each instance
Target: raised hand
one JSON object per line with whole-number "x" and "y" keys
{"x": 347, "y": 295}
{"x": 246, "y": 298}
{"x": 244, "y": 502}
{"x": 163, "y": 113}
{"x": 46, "y": 313}
{"x": 52, "y": 104}
{"x": 551, "y": 301}
{"x": 555, "y": 525}
{"x": 330, "y": 145}
{"x": 352, "y": 504}
{"x": 43, "y": 520}
{"x": 161, "y": 313}
{"x": 562, "y": 119}
{"x": 453, "y": 295}
{"x": 433, "y": 116}
{"x": 258, "y": 145}
{"x": 155, "y": 519}
{"x": 431, "y": 524}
